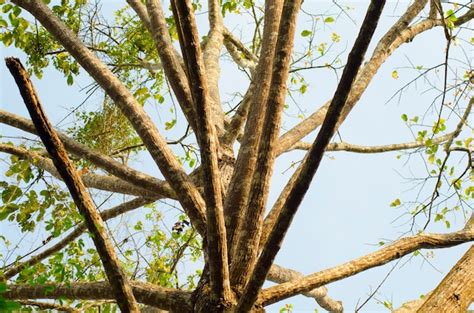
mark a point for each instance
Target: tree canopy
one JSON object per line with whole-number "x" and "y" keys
{"x": 160, "y": 190}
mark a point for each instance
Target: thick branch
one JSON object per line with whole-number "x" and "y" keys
{"x": 248, "y": 233}
{"x": 281, "y": 275}
{"x": 211, "y": 57}
{"x": 78, "y": 231}
{"x": 314, "y": 156}
{"x": 107, "y": 183}
{"x": 398, "y": 32}
{"x": 127, "y": 174}
{"x": 392, "y": 252}
{"x": 239, "y": 186}
{"x": 170, "y": 60}
{"x": 189, "y": 196}
{"x": 208, "y": 143}
{"x": 161, "y": 297}
{"x": 82, "y": 199}
{"x": 456, "y": 292}
{"x": 239, "y": 53}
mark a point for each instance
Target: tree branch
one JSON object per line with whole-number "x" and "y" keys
{"x": 392, "y": 252}
{"x": 189, "y": 196}
{"x": 49, "y": 306}
{"x": 344, "y": 146}
{"x": 314, "y": 156}
{"x": 127, "y": 174}
{"x": 383, "y": 50}
{"x": 248, "y": 233}
{"x": 106, "y": 183}
{"x": 456, "y": 292}
{"x": 171, "y": 61}
{"x": 82, "y": 199}
{"x": 281, "y": 275}
{"x": 211, "y": 58}
{"x": 208, "y": 143}
{"x": 78, "y": 231}
{"x": 161, "y": 297}
{"x": 239, "y": 186}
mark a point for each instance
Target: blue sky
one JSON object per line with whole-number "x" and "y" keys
{"x": 346, "y": 211}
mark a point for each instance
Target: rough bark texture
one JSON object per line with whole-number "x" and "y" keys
{"x": 239, "y": 187}
{"x": 241, "y": 238}
{"x": 392, "y": 252}
{"x": 248, "y": 233}
{"x": 117, "y": 278}
{"x": 456, "y": 292}
{"x": 208, "y": 142}
{"x": 164, "y": 298}
{"x": 190, "y": 198}
{"x": 313, "y": 159}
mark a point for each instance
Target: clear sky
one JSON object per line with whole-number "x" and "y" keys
{"x": 347, "y": 210}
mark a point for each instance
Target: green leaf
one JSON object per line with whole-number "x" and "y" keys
{"x": 404, "y": 117}
{"x": 306, "y": 33}
{"x": 329, "y": 19}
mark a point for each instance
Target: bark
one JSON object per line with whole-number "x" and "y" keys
{"x": 239, "y": 186}
{"x": 396, "y": 36}
{"x": 281, "y": 275}
{"x": 216, "y": 244}
{"x": 456, "y": 292}
{"x": 189, "y": 196}
{"x": 248, "y": 233}
{"x": 122, "y": 171}
{"x": 314, "y": 156}
{"x": 344, "y": 146}
{"x": 101, "y": 182}
{"x": 161, "y": 297}
{"x": 82, "y": 199}
{"x": 392, "y": 252}
{"x": 211, "y": 58}
{"x": 171, "y": 63}
{"x": 78, "y": 231}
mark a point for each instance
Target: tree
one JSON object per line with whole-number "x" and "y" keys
{"x": 224, "y": 199}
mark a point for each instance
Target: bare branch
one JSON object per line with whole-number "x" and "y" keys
{"x": 190, "y": 198}
{"x": 208, "y": 143}
{"x": 82, "y": 199}
{"x": 211, "y": 58}
{"x": 392, "y": 252}
{"x": 248, "y": 233}
{"x": 383, "y": 50}
{"x": 171, "y": 61}
{"x": 281, "y": 275}
{"x": 239, "y": 186}
{"x": 344, "y": 146}
{"x": 314, "y": 156}
{"x": 161, "y": 297}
